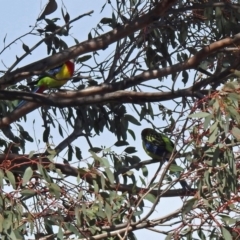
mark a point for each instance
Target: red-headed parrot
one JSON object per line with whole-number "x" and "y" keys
{"x": 54, "y": 78}
{"x": 160, "y": 147}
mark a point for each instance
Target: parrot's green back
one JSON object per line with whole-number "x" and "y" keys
{"x": 59, "y": 79}
{"x": 156, "y": 145}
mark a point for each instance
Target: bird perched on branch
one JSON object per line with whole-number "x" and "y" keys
{"x": 160, "y": 147}
{"x": 54, "y": 78}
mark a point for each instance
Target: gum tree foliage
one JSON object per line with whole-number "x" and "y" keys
{"x": 171, "y": 65}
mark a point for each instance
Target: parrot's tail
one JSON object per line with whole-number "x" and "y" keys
{"x": 36, "y": 90}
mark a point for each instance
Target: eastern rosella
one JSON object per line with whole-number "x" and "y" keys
{"x": 160, "y": 147}
{"x": 54, "y": 78}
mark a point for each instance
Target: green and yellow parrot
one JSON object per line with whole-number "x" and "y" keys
{"x": 160, "y": 147}
{"x": 54, "y": 78}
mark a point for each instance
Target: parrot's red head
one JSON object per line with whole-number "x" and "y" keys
{"x": 70, "y": 64}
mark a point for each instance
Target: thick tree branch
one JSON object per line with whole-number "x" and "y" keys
{"x": 18, "y": 163}
{"x": 191, "y": 63}
{"x": 76, "y": 98}
{"x": 73, "y": 98}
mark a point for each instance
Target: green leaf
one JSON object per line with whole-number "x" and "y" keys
{"x": 95, "y": 149}
{"x": 114, "y": 20}
{"x": 95, "y": 186}
{"x": 11, "y": 178}
{"x": 185, "y": 77}
{"x": 189, "y": 206}
{"x": 226, "y": 234}
{"x": 89, "y": 36}
{"x": 1, "y": 178}
{"x": 26, "y": 136}
{"x": 133, "y": 160}
{"x": 215, "y": 157}
{"x": 7, "y": 223}
{"x": 66, "y": 18}
{"x": 130, "y": 150}
{"x": 133, "y": 2}
{"x": 27, "y": 175}
{"x": 131, "y": 132}
{"x": 175, "y": 168}
{"x": 1, "y": 222}
{"x": 25, "y": 48}
{"x": 55, "y": 190}
{"x": 150, "y": 110}
{"x": 227, "y": 219}
{"x": 214, "y": 133}
{"x": 84, "y": 58}
{"x": 44, "y": 173}
{"x": 143, "y": 181}
{"x": 236, "y": 133}
{"x": 70, "y": 153}
{"x": 95, "y": 156}
{"x": 46, "y": 134}
{"x": 71, "y": 228}
{"x": 31, "y": 153}
{"x": 108, "y": 211}
{"x": 199, "y": 115}
{"x": 110, "y": 175}
{"x": 28, "y": 192}
{"x": 150, "y": 197}
{"x": 103, "y": 182}
{"x": 60, "y": 233}
{"x": 201, "y": 234}
{"x": 207, "y": 121}
{"x": 48, "y": 225}
{"x": 4, "y": 39}
{"x": 104, "y": 162}
{"x": 132, "y": 119}
{"x": 218, "y": 16}
{"x": 144, "y": 171}
{"x": 121, "y": 143}
{"x": 11, "y": 234}
{"x": 106, "y": 21}
{"x": 78, "y": 153}
{"x": 60, "y": 130}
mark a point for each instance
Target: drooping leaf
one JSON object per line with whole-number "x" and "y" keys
{"x": 150, "y": 197}
{"x": 199, "y": 115}
{"x": 226, "y": 234}
{"x": 11, "y": 178}
{"x": 25, "y": 48}
{"x": 27, "y": 175}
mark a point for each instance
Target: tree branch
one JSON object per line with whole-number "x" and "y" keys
{"x": 74, "y": 98}
{"x": 18, "y": 163}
